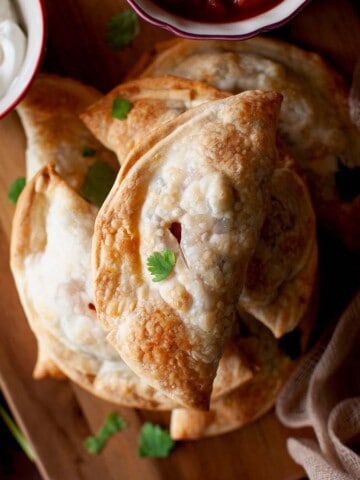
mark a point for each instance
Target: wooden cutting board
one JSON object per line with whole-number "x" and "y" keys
{"x": 56, "y": 416}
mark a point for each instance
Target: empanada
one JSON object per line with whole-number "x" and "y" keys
{"x": 55, "y": 134}
{"x": 50, "y": 259}
{"x": 282, "y": 272}
{"x": 207, "y": 173}
{"x": 153, "y": 102}
{"x": 314, "y": 121}
{"x": 51, "y": 264}
{"x": 281, "y": 276}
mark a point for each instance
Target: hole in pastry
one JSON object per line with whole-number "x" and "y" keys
{"x": 290, "y": 343}
{"x": 347, "y": 182}
{"x": 175, "y": 229}
{"x": 92, "y": 306}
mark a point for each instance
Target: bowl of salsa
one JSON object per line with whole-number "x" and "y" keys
{"x": 219, "y": 19}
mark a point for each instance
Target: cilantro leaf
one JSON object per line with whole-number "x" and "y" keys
{"x": 88, "y": 151}
{"x": 113, "y": 423}
{"x": 17, "y": 433}
{"x": 120, "y": 108}
{"x": 98, "y": 182}
{"x": 122, "y": 28}
{"x": 154, "y": 441}
{"x": 15, "y": 189}
{"x": 160, "y": 265}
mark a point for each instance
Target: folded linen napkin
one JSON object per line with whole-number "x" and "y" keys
{"x": 324, "y": 393}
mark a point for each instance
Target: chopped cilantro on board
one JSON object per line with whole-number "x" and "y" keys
{"x": 154, "y": 441}
{"x": 15, "y": 189}
{"x": 114, "y": 423}
{"x": 98, "y": 182}
{"x": 160, "y": 265}
{"x": 120, "y": 108}
{"x": 122, "y": 28}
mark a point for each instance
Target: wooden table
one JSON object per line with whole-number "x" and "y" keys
{"x": 57, "y": 415}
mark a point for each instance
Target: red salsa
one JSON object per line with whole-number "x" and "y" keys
{"x": 217, "y": 10}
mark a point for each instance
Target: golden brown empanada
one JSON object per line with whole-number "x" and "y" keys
{"x": 51, "y": 248}
{"x": 281, "y": 276}
{"x": 314, "y": 121}
{"x": 51, "y": 264}
{"x": 153, "y": 102}
{"x": 208, "y": 173}
{"x": 55, "y": 134}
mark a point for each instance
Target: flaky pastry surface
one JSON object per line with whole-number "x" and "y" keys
{"x": 271, "y": 362}
{"x": 208, "y": 170}
{"x": 281, "y": 276}
{"x": 153, "y": 102}
{"x": 51, "y": 264}
{"x": 314, "y": 120}
{"x": 55, "y": 134}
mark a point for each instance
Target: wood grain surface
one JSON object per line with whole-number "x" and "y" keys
{"x": 56, "y": 416}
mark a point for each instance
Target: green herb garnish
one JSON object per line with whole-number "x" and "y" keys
{"x": 160, "y": 265}
{"x": 122, "y": 28}
{"x": 88, "y": 151}
{"x": 120, "y": 108}
{"x": 114, "y": 423}
{"x": 18, "y": 435}
{"x": 98, "y": 182}
{"x": 154, "y": 441}
{"x": 15, "y": 189}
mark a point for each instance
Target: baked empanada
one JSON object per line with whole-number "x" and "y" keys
{"x": 281, "y": 276}
{"x": 314, "y": 121}
{"x": 50, "y": 259}
{"x": 55, "y": 134}
{"x": 199, "y": 186}
{"x": 51, "y": 264}
{"x": 153, "y": 102}
{"x": 282, "y": 272}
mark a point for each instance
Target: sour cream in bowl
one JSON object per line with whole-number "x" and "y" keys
{"x": 21, "y": 47}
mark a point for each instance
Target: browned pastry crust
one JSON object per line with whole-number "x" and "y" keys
{"x": 50, "y": 261}
{"x": 55, "y": 134}
{"x": 173, "y": 333}
{"x": 314, "y": 119}
{"x": 79, "y": 351}
{"x": 153, "y": 102}
{"x": 281, "y": 275}
{"x": 272, "y": 362}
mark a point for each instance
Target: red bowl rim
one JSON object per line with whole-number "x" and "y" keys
{"x": 36, "y": 65}
{"x": 177, "y": 31}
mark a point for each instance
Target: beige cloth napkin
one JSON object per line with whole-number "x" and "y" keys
{"x": 324, "y": 393}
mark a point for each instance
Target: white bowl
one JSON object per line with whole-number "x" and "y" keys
{"x": 241, "y": 29}
{"x": 32, "y": 20}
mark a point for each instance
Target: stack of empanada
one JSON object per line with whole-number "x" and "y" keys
{"x": 217, "y": 179}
